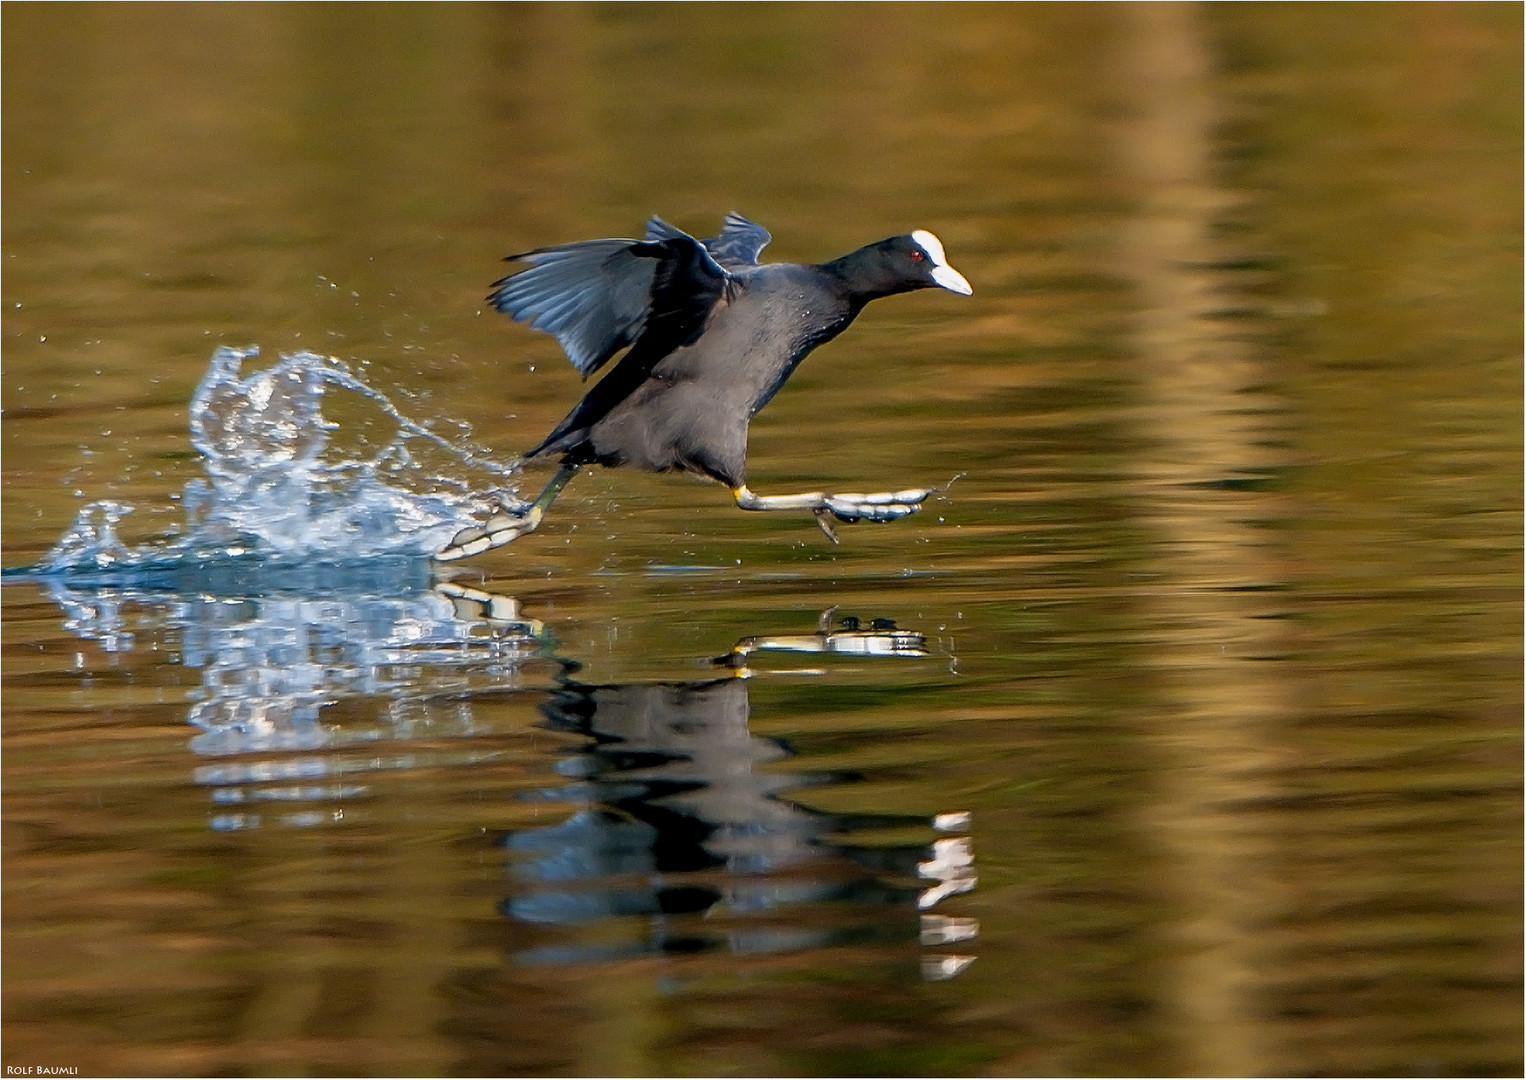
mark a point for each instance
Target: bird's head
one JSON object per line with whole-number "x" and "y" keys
{"x": 901, "y": 264}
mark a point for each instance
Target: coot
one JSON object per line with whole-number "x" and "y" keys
{"x": 711, "y": 336}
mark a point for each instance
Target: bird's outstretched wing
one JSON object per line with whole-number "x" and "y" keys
{"x": 737, "y": 246}
{"x": 592, "y": 296}
{"x": 686, "y": 284}
{"x": 740, "y": 242}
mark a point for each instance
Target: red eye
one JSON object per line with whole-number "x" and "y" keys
{"x": 916, "y": 256}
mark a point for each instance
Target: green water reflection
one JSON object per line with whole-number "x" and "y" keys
{"x": 1225, "y": 614}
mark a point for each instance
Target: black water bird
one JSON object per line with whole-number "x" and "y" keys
{"x": 711, "y": 336}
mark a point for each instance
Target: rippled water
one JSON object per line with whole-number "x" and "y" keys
{"x": 1181, "y": 736}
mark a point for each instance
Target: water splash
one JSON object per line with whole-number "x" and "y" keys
{"x": 280, "y": 489}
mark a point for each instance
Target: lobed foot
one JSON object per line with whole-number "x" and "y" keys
{"x": 502, "y": 528}
{"x": 882, "y": 506}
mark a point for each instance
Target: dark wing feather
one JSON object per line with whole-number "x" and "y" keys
{"x": 657, "y": 230}
{"x": 737, "y": 246}
{"x": 591, "y": 296}
{"x": 740, "y": 242}
{"x": 595, "y": 296}
{"x": 686, "y": 285}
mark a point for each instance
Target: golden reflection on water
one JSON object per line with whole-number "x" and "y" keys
{"x": 1224, "y": 619}
{"x": 1206, "y": 422}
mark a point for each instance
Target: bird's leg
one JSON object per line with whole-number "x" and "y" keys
{"x": 504, "y": 527}
{"x": 881, "y": 506}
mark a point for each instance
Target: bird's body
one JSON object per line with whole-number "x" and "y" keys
{"x": 691, "y": 409}
{"x": 711, "y": 334}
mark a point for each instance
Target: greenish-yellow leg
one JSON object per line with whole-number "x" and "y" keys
{"x": 881, "y": 506}
{"x": 504, "y": 527}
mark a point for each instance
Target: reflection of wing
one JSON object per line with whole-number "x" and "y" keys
{"x": 591, "y": 296}
{"x": 683, "y": 808}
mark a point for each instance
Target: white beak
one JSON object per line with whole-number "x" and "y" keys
{"x": 952, "y": 280}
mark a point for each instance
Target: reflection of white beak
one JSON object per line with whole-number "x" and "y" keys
{"x": 943, "y": 274}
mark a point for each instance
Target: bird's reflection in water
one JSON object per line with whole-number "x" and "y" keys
{"x": 685, "y": 835}
{"x": 684, "y": 831}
